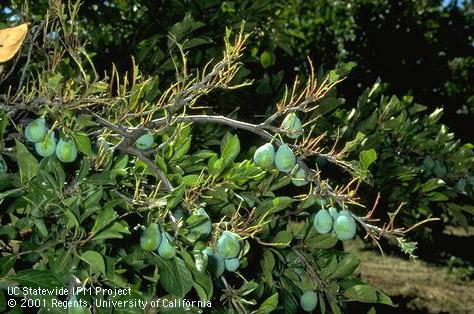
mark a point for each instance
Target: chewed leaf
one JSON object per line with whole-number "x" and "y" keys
{"x": 10, "y": 41}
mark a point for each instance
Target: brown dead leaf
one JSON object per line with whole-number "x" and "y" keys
{"x": 10, "y": 40}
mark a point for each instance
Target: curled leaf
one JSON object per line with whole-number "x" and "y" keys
{"x": 11, "y": 39}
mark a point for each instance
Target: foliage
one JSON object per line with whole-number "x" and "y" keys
{"x": 418, "y": 161}
{"x": 435, "y": 70}
{"x": 83, "y": 222}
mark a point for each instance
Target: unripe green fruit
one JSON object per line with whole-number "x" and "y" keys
{"x": 333, "y": 212}
{"x": 285, "y": 159}
{"x": 292, "y": 124}
{"x": 264, "y": 156}
{"x": 309, "y": 300}
{"x": 145, "y": 141}
{"x": 76, "y": 308}
{"x": 208, "y": 251}
{"x": 228, "y": 245}
{"x": 322, "y": 222}
{"x": 298, "y": 177}
{"x": 36, "y": 130}
{"x": 66, "y": 150}
{"x": 151, "y": 238}
{"x": 345, "y": 212}
{"x": 232, "y": 264}
{"x": 215, "y": 263}
{"x": 165, "y": 249}
{"x": 346, "y": 266}
{"x": 345, "y": 227}
{"x": 47, "y": 147}
{"x": 204, "y": 228}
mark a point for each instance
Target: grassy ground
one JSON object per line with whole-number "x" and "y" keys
{"x": 416, "y": 287}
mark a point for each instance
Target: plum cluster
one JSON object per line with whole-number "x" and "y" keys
{"x": 153, "y": 238}
{"x": 45, "y": 142}
{"x": 283, "y": 159}
{"x": 342, "y": 223}
{"x": 226, "y": 255}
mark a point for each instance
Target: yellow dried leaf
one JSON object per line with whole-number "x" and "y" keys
{"x": 10, "y": 41}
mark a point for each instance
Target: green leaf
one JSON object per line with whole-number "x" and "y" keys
{"x": 83, "y": 143}
{"x": 361, "y": 293}
{"x": 3, "y": 125}
{"x": 322, "y": 241}
{"x": 175, "y": 197}
{"x": 282, "y": 238}
{"x": 6, "y": 263}
{"x": 182, "y": 149}
{"x": 231, "y": 149}
{"x": 272, "y": 206}
{"x": 352, "y": 145}
{"x": 105, "y": 217}
{"x": 267, "y": 59}
{"x": 191, "y": 180}
{"x": 195, "y": 42}
{"x": 95, "y": 260}
{"x": 267, "y": 263}
{"x": 269, "y": 305}
{"x": 26, "y": 162}
{"x": 116, "y": 231}
{"x": 366, "y": 158}
{"x": 175, "y": 277}
{"x": 435, "y": 115}
{"x": 36, "y": 278}
{"x": 40, "y": 225}
{"x": 432, "y": 184}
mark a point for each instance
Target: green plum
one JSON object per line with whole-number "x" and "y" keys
{"x": 309, "y": 300}
{"x": 165, "y": 249}
{"x": 264, "y": 156}
{"x": 36, "y": 130}
{"x": 150, "y": 238}
{"x": 66, "y": 150}
{"x": 292, "y": 124}
{"x": 215, "y": 263}
{"x": 285, "y": 159}
{"x": 232, "y": 264}
{"x": 46, "y": 147}
{"x": 333, "y": 212}
{"x": 200, "y": 225}
{"x": 298, "y": 176}
{"x": 345, "y": 227}
{"x": 228, "y": 244}
{"x": 345, "y": 212}
{"x": 145, "y": 141}
{"x": 322, "y": 221}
